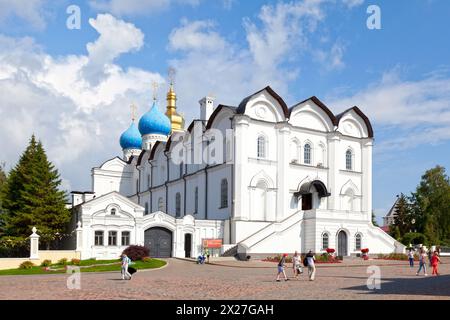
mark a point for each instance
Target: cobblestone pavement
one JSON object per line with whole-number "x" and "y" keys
{"x": 236, "y": 280}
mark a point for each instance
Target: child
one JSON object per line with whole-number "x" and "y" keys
{"x": 281, "y": 266}
{"x": 296, "y": 265}
{"x": 411, "y": 258}
{"x": 434, "y": 263}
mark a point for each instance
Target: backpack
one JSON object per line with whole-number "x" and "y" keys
{"x": 305, "y": 262}
{"x": 129, "y": 261}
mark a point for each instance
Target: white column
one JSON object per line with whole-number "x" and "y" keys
{"x": 79, "y": 238}
{"x": 282, "y": 189}
{"x": 367, "y": 178}
{"x": 333, "y": 172}
{"x": 242, "y": 147}
{"x": 34, "y": 244}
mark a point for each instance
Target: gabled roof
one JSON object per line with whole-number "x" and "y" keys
{"x": 112, "y": 193}
{"x": 321, "y": 105}
{"x": 362, "y": 115}
{"x": 392, "y": 212}
{"x": 216, "y": 113}
{"x": 241, "y": 108}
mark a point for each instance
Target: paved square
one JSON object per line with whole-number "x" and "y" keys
{"x": 236, "y": 280}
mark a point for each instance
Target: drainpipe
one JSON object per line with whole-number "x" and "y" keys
{"x": 232, "y": 182}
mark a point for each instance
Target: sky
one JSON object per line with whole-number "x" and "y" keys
{"x": 72, "y": 87}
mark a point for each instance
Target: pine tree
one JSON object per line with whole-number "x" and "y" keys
{"x": 32, "y": 196}
{"x": 2, "y": 210}
{"x": 403, "y": 217}
{"x": 374, "y": 219}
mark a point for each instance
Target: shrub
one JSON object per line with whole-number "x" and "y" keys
{"x": 330, "y": 250}
{"x": 62, "y": 261}
{"x": 366, "y": 250}
{"x": 136, "y": 253}
{"x": 75, "y": 262}
{"x": 146, "y": 259}
{"x": 26, "y": 265}
{"x": 46, "y": 263}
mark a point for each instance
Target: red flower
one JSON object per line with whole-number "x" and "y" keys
{"x": 366, "y": 250}
{"x": 330, "y": 250}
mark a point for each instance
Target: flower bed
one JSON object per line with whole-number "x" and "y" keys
{"x": 396, "y": 257}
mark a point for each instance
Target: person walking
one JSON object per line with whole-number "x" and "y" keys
{"x": 125, "y": 263}
{"x": 422, "y": 262}
{"x": 435, "y": 260}
{"x": 296, "y": 265}
{"x": 430, "y": 255}
{"x": 311, "y": 265}
{"x": 281, "y": 266}
{"x": 411, "y": 258}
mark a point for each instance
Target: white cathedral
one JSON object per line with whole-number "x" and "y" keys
{"x": 261, "y": 178}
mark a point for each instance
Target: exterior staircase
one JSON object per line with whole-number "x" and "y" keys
{"x": 231, "y": 252}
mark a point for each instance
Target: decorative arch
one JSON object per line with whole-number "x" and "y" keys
{"x": 357, "y": 118}
{"x": 278, "y": 105}
{"x": 318, "y": 185}
{"x": 350, "y": 185}
{"x": 295, "y": 150}
{"x": 262, "y": 176}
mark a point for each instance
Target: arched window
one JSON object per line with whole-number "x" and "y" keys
{"x": 224, "y": 193}
{"x": 148, "y": 181}
{"x": 349, "y": 160}
{"x": 261, "y": 145}
{"x": 146, "y": 208}
{"x": 307, "y": 154}
{"x": 325, "y": 241}
{"x": 161, "y": 204}
{"x": 137, "y": 185}
{"x": 358, "y": 241}
{"x": 178, "y": 204}
{"x": 196, "y": 200}
{"x": 113, "y": 211}
{"x": 295, "y": 154}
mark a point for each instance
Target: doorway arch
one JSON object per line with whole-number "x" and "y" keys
{"x": 342, "y": 247}
{"x": 159, "y": 241}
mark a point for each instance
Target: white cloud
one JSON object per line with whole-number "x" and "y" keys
{"x": 79, "y": 123}
{"x": 116, "y": 37}
{"x": 195, "y": 36}
{"x": 212, "y": 64}
{"x": 352, "y": 3}
{"x": 137, "y": 7}
{"x": 333, "y": 59}
{"x": 419, "y": 110}
{"x": 31, "y": 11}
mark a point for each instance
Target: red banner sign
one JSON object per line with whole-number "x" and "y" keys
{"x": 212, "y": 243}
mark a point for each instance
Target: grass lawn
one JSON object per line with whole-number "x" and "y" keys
{"x": 100, "y": 266}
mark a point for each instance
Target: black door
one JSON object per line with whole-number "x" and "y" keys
{"x": 187, "y": 245}
{"x": 307, "y": 202}
{"x": 342, "y": 244}
{"x": 159, "y": 242}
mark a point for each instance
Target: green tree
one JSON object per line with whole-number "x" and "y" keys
{"x": 431, "y": 206}
{"x": 32, "y": 197}
{"x": 374, "y": 219}
{"x": 2, "y": 211}
{"x": 403, "y": 217}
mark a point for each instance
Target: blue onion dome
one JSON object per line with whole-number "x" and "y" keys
{"x": 154, "y": 122}
{"x": 131, "y": 139}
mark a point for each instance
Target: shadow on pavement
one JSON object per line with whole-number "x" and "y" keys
{"x": 420, "y": 285}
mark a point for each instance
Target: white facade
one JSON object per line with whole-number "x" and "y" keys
{"x": 290, "y": 179}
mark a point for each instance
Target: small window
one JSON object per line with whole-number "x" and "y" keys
{"x": 112, "y": 238}
{"x": 146, "y": 208}
{"x": 307, "y": 154}
{"x": 349, "y": 160}
{"x": 261, "y": 146}
{"x": 178, "y": 204}
{"x": 99, "y": 238}
{"x": 137, "y": 186}
{"x": 358, "y": 239}
{"x": 196, "y": 200}
{"x": 224, "y": 193}
{"x": 325, "y": 241}
{"x": 148, "y": 181}
{"x": 113, "y": 211}
{"x": 125, "y": 238}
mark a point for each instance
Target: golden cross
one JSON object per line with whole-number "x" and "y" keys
{"x": 171, "y": 73}
{"x": 155, "y": 86}
{"x": 133, "y": 111}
